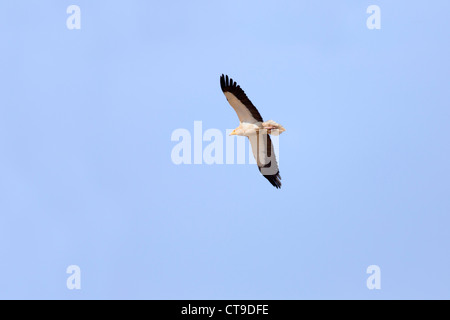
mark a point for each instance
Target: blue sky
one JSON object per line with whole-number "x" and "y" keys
{"x": 86, "y": 176}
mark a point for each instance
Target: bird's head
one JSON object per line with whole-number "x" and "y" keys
{"x": 237, "y": 132}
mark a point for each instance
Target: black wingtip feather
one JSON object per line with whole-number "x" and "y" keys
{"x": 226, "y": 82}
{"x": 274, "y": 179}
{"x": 222, "y": 81}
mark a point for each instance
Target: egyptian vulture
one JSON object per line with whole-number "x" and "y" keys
{"x": 253, "y": 126}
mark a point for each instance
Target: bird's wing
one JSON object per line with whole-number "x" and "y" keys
{"x": 264, "y": 154}
{"x": 237, "y": 98}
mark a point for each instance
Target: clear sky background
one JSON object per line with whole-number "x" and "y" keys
{"x": 86, "y": 176}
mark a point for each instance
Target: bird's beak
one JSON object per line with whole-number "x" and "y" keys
{"x": 233, "y": 133}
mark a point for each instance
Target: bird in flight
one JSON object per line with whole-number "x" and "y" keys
{"x": 253, "y": 126}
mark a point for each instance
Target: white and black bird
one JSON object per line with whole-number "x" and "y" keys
{"x": 253, "y": 126}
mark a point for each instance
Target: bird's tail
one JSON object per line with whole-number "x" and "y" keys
{"x": 273, "y": 128}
